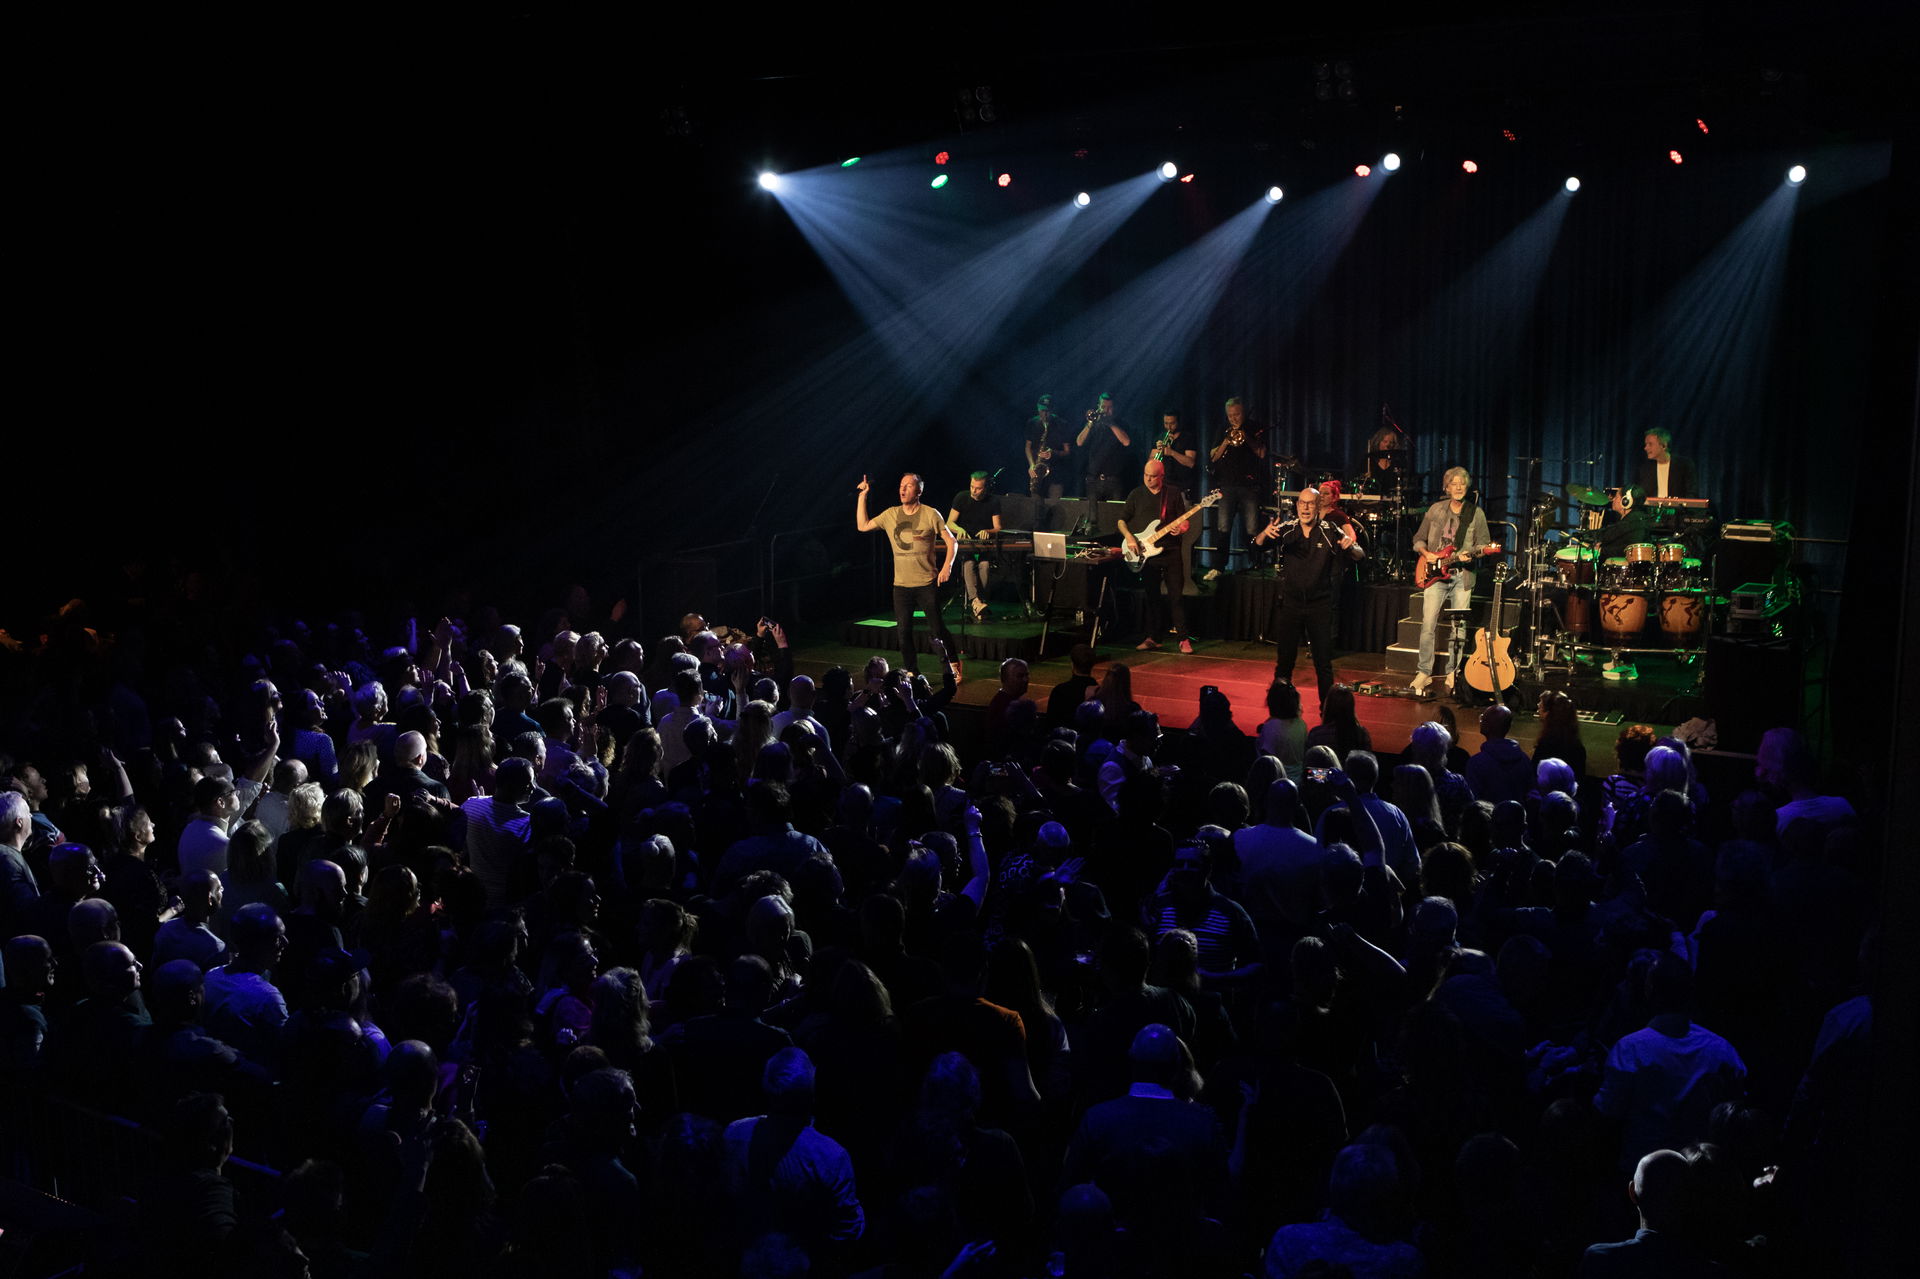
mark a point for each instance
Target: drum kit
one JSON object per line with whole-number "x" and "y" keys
{"x": 1378, "y": 505}
{"x": 1654, "y": 597}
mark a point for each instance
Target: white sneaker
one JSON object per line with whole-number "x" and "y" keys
{"x": 1213, "y": 574}
{"x": 1420, "y": 682}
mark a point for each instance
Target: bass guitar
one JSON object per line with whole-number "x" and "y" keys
{"x": 1149, "y": 537}
{"x": 1490, "y": 666}
{"x": 1441, "y": 566}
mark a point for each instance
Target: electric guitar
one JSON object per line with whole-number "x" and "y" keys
{"x": 1490, "y": 667}
{"x": 1441, "y": 566}
{"x": 1149, "y": 537}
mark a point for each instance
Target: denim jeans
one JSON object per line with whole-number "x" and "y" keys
{"x": 1437, "y": 597}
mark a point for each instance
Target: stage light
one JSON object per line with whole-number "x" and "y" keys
{"x": 1573, "y": 184}
{"x": 1169, "y": 171}
{"x": 770, "y": 181}
{"x": 1700, "y": 124}
{"x": 941, "y": 158}
{"x": 1186, "y": 177}
{"x": 941, "y": 181}
{"x": 1083, "y": 199}
{"x": 1005, "y": 180}
{"x": 1675, "y": 157}
{"x": 1797, "y": 174}
{"x": 1274, "y": 195}
{"x": 1468, "y": 166}
{"x": 1509, "y": 135}
{"x": 1362, "y": 170}
{"x": 1391, "y": 161}
{"x": 850, "y": 161}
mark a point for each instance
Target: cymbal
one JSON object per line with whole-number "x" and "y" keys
{"x": 1586, "y": 496}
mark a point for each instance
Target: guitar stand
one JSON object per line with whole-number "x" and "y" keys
{"x": 1456, "y": 648}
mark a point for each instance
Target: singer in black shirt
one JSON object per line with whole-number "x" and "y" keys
{"x": 1311, "y": 553}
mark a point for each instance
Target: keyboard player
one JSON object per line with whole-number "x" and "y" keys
{"x": 1661, "y": 475}
{"x": 974, "y": 513}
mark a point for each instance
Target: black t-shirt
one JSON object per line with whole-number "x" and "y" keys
{"x": 1105, "y": 454}
{"x": 1240, "y": 466}
{"x": 975, "y": 517}
{"x": 1144, "y": 506}
{"x": 1179, "y": 474}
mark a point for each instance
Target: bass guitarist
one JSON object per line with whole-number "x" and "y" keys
{"x": 1155, "y": 499}
{"x": 1453, "y": 531}
{"x": 1312, "y": 553}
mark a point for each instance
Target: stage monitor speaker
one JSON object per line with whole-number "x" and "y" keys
{"x": 1106, "y": 517}
{"x": 1753, "y": 684}
{"x": 1017, "y": 510}
{"x": 1736, "y": 561}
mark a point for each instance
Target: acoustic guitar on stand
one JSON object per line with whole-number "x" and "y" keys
{"x": 1490, "y": 666}
{"x": 1440, "y": 565}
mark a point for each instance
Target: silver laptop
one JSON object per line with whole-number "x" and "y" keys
{"x": 1050, "y": 546}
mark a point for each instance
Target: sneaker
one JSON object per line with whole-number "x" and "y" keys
{"x": 1147, "y": 645}
{"x": 1420, "y": 682}
{"x": 1186, "y": 646}
{"x": 1213, "y": 575}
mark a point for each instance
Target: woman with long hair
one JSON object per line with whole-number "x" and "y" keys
{"x": 1284, "y": 732}
{"x": 1116, "y": 700}
{"x": 1559, "y": 731}
{"x": 1414, "y": 795}
{"x": 359, "y": 761}
{"x": 1013, "y": 981}
{"x": 1340, "y": 726}
{"x": 754, "y": 730}
{"x": 621, "y": 1027}
{"x": 472, "y": 767}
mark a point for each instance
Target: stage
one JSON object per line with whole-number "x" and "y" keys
{"x": 1168, "y": 682}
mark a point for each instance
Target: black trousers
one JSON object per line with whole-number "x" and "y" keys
{"x": 927, "y": 600}
{"x": 1314, "y": 618}
{"x": 1170, "y": 567}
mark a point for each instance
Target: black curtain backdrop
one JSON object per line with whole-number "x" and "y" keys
{"x": 1499, "y": 317}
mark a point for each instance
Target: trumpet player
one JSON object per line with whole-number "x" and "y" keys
{"x": 1177, "y": 449}
{"x": 1106, "y": 441}
{"x": 1240, "y": 473}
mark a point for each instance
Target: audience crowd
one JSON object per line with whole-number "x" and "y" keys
{"x": 516, "y": 953}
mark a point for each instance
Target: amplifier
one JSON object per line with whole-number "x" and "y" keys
{"x": 1749, "y": 599}
{"x": 1751, "y": 531}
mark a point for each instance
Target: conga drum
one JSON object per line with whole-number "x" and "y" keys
{"x": 1623, "y": 615}
{"x": 1683, "y": 618}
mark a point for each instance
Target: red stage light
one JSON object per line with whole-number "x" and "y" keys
{"x": 1675, "y": 157}
{"x": 1362, "y": 170}
{"x": 1509, "y": 135}
{"x": 1701, "y": 124}
{"x": 1005, "y": 179}
{"x": 1469, "y": 166}
{"x": 942, "y": 158}
{"x": 1188, "y": 178}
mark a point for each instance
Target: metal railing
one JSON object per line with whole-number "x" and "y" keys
{"x": 821, "y": 571}
{"x": 725, "y": 580}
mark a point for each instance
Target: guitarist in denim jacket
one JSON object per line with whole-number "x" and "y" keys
{"x": 1455, "y": 523}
